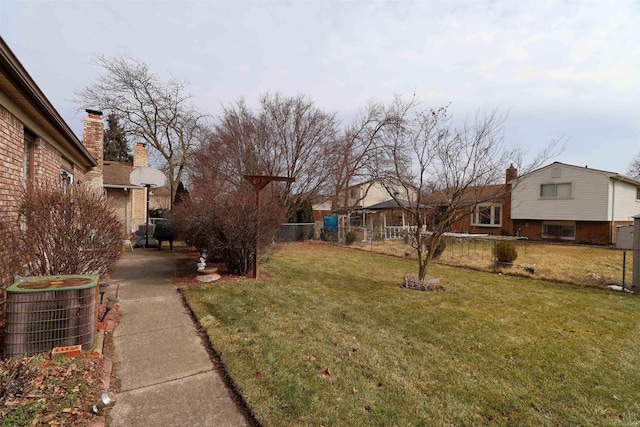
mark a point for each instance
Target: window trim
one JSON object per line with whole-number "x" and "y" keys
{"x": 475, "y": 215}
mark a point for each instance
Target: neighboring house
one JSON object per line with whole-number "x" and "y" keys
{"x": 160, "y": 198}
{"x": 130, "y": 200}
{"x": 573, "y": 203}
{"x": 321, "y": 206}
{"x": 480, "y": 209}
{"x": 359, "y": 197}
{"x": 389, "y": 213}
{"x": 36, "y": 144}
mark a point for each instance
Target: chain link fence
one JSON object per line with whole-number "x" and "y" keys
{"x": 294, "y": 232}
{"x": 561, "y": 262}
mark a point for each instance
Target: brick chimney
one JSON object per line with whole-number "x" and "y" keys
{"x": 140, "y": 155}
{"x": 512, "y": 173}
{"x": 93, "y": 140}
{"x": 139, "y": 196}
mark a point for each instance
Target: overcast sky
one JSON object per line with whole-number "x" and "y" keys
{"x": 561, "y": 69}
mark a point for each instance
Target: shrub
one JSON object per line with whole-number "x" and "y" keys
{"x": 60, "y": 229}
{"x": 68, "y": 231}
{"x": 505, "y": 251}
{"x": 225, "y": 225}
{"x": 350, "y": 237}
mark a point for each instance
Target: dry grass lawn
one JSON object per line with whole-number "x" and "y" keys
{"x": 328, "y": 338}
{"x": 579, "y": 264}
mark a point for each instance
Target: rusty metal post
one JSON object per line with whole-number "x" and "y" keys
{"x": 259, "y": 182}
{"x": 257, "y": 248}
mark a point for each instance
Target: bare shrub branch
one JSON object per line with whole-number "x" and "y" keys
{"x": 224, "y": 223}
{"x": 65, "y": 230}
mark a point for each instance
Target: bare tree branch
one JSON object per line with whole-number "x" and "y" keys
{"x": 153, "y": 111}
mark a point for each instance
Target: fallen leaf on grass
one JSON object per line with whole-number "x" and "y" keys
{"x": 326, "y": 374}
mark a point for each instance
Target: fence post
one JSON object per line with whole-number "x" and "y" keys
{"x": 624, "y": 266}
{"x": 495, "y": 260}
{"x": 636, "y": 253}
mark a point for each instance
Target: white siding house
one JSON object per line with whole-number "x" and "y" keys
{"x": 568, "y": 202}
{"x": 371, "y": 193}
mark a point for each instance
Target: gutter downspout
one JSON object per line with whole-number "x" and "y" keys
{"x": 613, "y": 207}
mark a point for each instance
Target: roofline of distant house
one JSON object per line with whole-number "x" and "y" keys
{"x": 19, "y": 77}
{"x": 610, "y": 174}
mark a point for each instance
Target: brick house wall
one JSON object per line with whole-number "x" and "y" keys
{"x": 11, "y": 162}
{"x": 47, "y": 163}
{"x": 139, "y": 197}
{"x": 121, "y": 204}
{"x": 588, "y": 232}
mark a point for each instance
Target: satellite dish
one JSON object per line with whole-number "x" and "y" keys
{"x": 147, "y": 177}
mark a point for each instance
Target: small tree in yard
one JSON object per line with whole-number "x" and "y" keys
{"x": 424, "y": 147}
{"x": 60, "y": 229}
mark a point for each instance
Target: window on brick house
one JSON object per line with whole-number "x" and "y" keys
{"x": 25, "y": 164}
{"x": 66, "y": 177}
{"x": 29, "y": 143}
{"x": 559, "y": 230}
{"x": 487, "y": 216}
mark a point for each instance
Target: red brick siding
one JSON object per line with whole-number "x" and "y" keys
{"x": 11, "y": 162}
{"x": 48, "y": 162}
{"x": 598, "y": 232}
{"x": 93, "y": 140}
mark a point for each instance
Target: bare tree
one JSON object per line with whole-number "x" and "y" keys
{"x": 297, "y": 141}
{"x": 154, "y": 111}
{"x": 634, "y": 167}
{"x": 426, "y": 147}
{"x": 230, "y": 150}
{"x": 354, "y": 152}
{"x": 287, "y": 136}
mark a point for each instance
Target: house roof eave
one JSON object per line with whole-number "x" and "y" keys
{"x": 18, "y": 77}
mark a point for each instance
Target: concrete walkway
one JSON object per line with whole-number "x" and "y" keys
{"x": 166, "y": 377}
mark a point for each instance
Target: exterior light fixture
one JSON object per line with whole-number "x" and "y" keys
{"x": 107, "y": 400}
{"x": 110, "y": 302}
{"x": 103, "y": 289}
